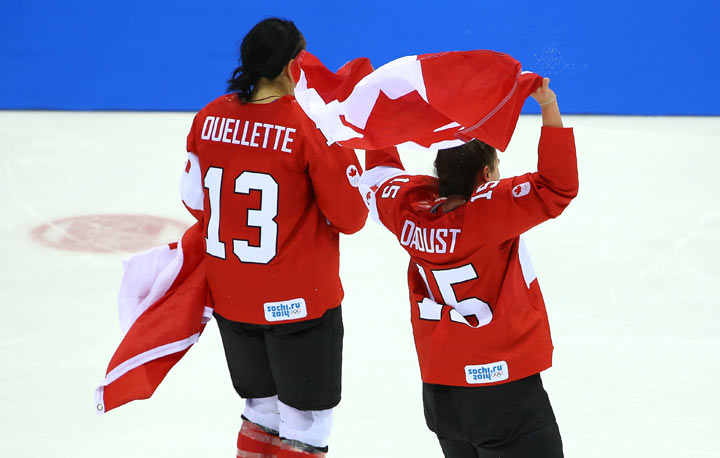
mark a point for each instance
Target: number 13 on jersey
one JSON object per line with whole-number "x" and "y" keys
{"x": 262, "y": 218}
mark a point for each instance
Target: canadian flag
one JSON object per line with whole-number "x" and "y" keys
{"x": 428, "y": 101}
{"x": 163, "y": 310}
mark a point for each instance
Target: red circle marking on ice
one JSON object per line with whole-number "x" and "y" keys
{"x": 108, "y": 233}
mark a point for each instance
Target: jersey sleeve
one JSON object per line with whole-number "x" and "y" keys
{"x": 335, "y": 174}
{"x": 381, "y": 166}
{"x": 501, "y": 210}
{"x": 191, "y": 188}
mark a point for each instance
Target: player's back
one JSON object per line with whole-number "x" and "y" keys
{"x": 269, "y": 182}
{"x": 469, "y": 299}
{"x": 477, "y": 310}
{"x": 446, "y": 245}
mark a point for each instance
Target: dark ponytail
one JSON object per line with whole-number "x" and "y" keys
{"x": 264, "y": 52}
{"x": 457, "y": 168}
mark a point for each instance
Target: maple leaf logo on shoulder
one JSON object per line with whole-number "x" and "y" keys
{"x": 353, "y": 175}
{"x": 523, "y": 189}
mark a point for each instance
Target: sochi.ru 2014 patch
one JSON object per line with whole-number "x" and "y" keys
{"x": 487, "y": 373}
{"x": 292, "y": 309}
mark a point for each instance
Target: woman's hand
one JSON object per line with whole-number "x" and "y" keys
{"x": 548, "y": 104}
{"x": 544, "y": 95}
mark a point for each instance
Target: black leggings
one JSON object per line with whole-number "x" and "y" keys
{"x": 510, "y": 420}
{"x": 301, "y": 361}
{"x": 542, "y": 443}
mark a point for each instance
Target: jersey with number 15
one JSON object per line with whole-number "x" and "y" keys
{"x": 273, "y": 198}
{"x": 478, "y": 314}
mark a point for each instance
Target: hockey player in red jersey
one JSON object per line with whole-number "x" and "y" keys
{"x": 274, "y": 198}
{"x": 479, "y": 321}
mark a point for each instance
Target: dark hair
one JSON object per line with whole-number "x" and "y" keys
{"x": 457, "y": 168}
{"x": 264, "y": 51}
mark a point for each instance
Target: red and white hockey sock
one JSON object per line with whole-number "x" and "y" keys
{"x": 296, "y": 449}
{"x": 254, "y": 441}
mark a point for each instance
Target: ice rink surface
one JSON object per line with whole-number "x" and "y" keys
{"x": 630, "y": 275}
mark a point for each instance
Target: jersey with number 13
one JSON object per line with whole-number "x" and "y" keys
{"x": 478, "y": 314}
{"x": 273, "y": 198}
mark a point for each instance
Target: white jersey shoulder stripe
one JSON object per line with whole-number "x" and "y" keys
{"x": 371, "y": 181}
{"x": 526, "y": 264}
{"x": 191, "y": 188}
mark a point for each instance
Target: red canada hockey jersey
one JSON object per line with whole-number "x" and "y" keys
{"x": 273, "y": 197}
{"x": 478, "y": 314}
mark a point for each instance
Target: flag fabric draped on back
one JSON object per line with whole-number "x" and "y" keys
{"x": 428, "y": 101}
